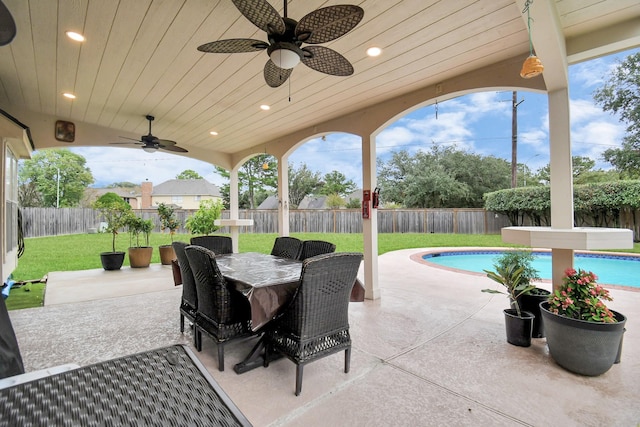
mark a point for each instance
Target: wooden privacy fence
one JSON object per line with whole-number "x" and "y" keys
{"x": 40, "y": 222}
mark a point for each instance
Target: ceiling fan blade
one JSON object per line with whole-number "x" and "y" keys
{"x": 173, "y": 148}
{"x": 7, "y": 25}
{"x": 165, "y": 142}
{"x": 262, "y": 15}
{"x": 328, "y": 23}
{"x": 126, "y": 137}
{"x": 233, "y": 46}
{"x": 274, "y": 75}
{"x": 326, "y": 61}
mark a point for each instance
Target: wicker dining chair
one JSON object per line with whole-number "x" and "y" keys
{"x": 218, "y": 244}
{"x": 189, "y": 302}
{"x": 316, "y": 247}
{"x": 287, "y": 247}
{"x": 316, "y": 323}
{"x": 223, "y": 314}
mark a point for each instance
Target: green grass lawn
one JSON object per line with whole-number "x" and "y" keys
{"x": 82, "y": 252}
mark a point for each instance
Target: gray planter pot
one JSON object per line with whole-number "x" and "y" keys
{"x": 586, "y": 348}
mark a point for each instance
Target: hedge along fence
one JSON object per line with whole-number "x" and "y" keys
{"x": 40, "y": 222}
{"x": 607, "y": 204}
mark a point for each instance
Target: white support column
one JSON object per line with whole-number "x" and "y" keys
{"x": 233, "y": 206}
{"x": 561, "y": 178}
{"x": 370, "y": 225}
{"x": 283, "y": 196}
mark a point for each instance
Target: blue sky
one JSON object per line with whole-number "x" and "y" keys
{"x": 478, "y": 123}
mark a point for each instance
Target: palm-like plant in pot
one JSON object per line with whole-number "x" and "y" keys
{"x": 139, "y": 255}
{"x": 114, "y": 211}
{"x": 530, "y": 300}
{"x": 518, "y": 323}
{"x": 168, "y": 221}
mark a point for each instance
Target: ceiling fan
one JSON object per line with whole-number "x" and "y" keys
{"x": 286, "y": 37}
{"x": 7, "y": 25}
{"x": 151, "y": 143}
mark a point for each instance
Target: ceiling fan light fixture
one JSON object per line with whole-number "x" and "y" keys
{"x": 150, "y": 149}
{"x": 284, "y": 58}
{"x": 532, "y": 67}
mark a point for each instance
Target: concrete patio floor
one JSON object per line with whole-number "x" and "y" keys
{"x": 432, "y": 351}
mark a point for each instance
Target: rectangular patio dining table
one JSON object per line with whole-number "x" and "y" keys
{"x": 269, "y": 283}
{"x": 163, "y": 387}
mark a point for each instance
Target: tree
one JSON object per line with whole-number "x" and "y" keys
{"x": 336, "y": 182}
{"x": 122, "y": 184}
{"x": 188, "y": 174}
{"x": 115, "y": 211}
{"x": 621, "y": 95}
{"x": 444, "y": 177}
{"x": 302, "y": 182}
{"x": 28, "y": 195}
{"x": 583, "y": 172}
{"x": 60, "y": 177}
{"x": 253, "y": 179}
{"x": 334, "y": 201}
{"x": 625, "y": 160}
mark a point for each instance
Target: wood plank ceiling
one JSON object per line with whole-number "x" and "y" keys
{"x": 140, "y": 58}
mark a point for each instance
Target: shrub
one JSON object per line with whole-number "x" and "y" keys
{"x": 202, "y": 221}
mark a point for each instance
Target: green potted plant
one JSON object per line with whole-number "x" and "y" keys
{"x": 114, "y": 211}
{"x": 139, "y": 255}
{"x": 168, "y": 221}
{"x": 530, "y": 300}
{"x": 518, "y": 323}
{"x": 583, "y": 335}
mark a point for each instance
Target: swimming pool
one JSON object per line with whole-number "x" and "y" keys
{"x": 611, "y": 269}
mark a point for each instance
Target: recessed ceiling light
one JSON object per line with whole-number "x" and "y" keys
{"x": 265, "y": 107}
{"x": 214, "y": 133}
{"x": 374, "y": 51}
{"x": 69, "y": 95}
{"x": 75, "y": 36}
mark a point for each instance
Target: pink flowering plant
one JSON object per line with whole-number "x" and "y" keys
{"x": 580, "y": 297}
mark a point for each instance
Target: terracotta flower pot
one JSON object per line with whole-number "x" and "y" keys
{"x": 140, "y": 257}
{"x": 167, "y": 254}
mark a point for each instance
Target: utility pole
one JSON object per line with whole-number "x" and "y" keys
{"x": 58, "y": 187}
{"x": 514, "y": 138}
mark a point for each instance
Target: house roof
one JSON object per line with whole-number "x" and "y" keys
{"x": 320, "y": 202}
{"x": 186, "y": 187}
{"x": 270, "y": 202}
{"x": 141, "y": 57}
{"x": 120, "y": 191}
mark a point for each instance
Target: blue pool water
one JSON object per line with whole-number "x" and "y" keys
{"x": 610, "y": 269}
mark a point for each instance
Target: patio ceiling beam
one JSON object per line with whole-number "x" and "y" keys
{"x": 605, "y": 41}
